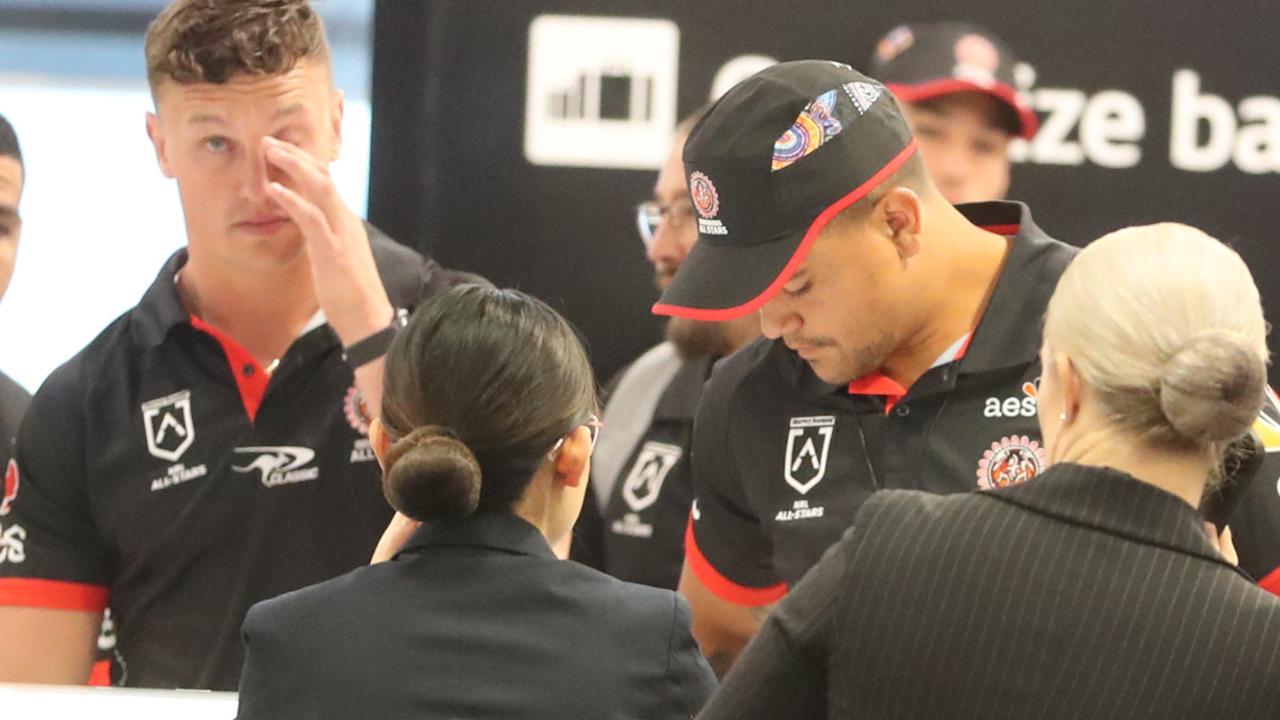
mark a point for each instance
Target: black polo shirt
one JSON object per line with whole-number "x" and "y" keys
{"x": 783, "y": 461}
{"x": 163, "y": 472}
{"x": 648, "y": 506}
{"x": 13, "y": 403}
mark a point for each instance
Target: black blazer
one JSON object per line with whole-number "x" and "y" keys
{"x": 473, "y": 619}
{"x": 1082, "y": 594}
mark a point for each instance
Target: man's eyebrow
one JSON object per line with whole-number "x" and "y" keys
{"x": 8, "y": 212}
{"x": 206, "y": 119}
{"x": 215, "y": 119}
{"x": 291, "y": 109}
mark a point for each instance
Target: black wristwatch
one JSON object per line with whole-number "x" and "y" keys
{"x": 363, "y": 352}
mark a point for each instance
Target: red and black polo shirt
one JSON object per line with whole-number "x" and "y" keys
{"x": 163, "y": 472}
{"x": 783, "y": 461}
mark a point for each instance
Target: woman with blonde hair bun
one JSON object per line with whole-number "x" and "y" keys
{"x": 1093, "y": 591}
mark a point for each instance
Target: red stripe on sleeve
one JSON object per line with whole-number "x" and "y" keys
{"x": 1271, "y": 583}
{"x": 53, "y": 594}
{"x": 101, "y": 674}
{"x": 1011, "y": 229}
{"x": 723, "y": 587}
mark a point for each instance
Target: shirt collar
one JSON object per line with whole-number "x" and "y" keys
{"x": 679, "y": 400}
{"x": 160, "y": 309}
{"x": 499, "y": 531}
{"x": 1117, "y": 502}
{"x": 1009, "y": 332}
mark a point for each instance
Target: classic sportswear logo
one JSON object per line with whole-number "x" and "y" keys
{"x": 279, "y": 465}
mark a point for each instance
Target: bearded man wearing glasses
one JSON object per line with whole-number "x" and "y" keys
{"x": 640, "y": 472}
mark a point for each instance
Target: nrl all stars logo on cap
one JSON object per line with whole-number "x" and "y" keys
{"x": 707, "y": 202}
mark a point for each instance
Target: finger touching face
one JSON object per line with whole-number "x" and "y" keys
{"x": 209, "y": 138}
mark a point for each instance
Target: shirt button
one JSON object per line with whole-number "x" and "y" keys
{"x": 247, "y": 370}
{"x": 904, "y": 410}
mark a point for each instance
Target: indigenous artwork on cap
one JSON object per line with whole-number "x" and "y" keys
{"x": 824, "y": 118}
{"x": 703, "y": 192}
{"x": 895, "y": 43}
{"x": 815, "y": 125}
{"x": 1012, "y": 460}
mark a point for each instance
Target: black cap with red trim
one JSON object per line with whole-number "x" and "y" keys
{"x": 768, "y": 166}
{"x": 921, "y": 62}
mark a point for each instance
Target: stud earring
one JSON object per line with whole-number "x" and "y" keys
{"x": 1062, "y": 416}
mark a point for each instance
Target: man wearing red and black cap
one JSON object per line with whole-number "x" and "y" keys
{"x": 901, "y": 334}
{"x": 955, "y": 83}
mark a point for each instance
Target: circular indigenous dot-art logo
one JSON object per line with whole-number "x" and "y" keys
{"x": 357, "y": 410}
{"x": 1015, "y": 459}
{"x": 705, "y": 198}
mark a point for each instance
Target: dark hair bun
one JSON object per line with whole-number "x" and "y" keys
{"x": 1213, "y": 388}
{"x": 431, "y": 475}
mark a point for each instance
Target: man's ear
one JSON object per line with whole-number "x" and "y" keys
{"x": 570, "y": 462}
{"x": 900, "y": 216}
{"x": 379, "y": 440}
{"x": 155, "y": 131}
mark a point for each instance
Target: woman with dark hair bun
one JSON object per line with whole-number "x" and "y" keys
{"x": 485, "y": 437}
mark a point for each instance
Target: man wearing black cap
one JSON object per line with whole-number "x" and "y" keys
{"x": 955, "y": 83}
{"x": 901, "y": 334}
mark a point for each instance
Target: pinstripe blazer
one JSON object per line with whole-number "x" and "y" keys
{"x": 1082, "y": 594}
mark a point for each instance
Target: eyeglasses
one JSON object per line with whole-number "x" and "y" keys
{"x": 593, "y": 423}
{"x": 650, "y": 215}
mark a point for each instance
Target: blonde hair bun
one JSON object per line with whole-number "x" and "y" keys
{"x": 1213, "y": 387}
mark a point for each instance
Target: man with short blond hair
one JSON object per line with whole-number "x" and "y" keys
{"x": 209, "y": 449}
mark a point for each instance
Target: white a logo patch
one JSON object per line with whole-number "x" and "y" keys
{"x": 644, "y": 483}
{"x": 808, "y": 442}
{"x": 170, "y": 430}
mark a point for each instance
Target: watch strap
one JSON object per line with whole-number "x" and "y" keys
{"x": 363, "y": 352}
